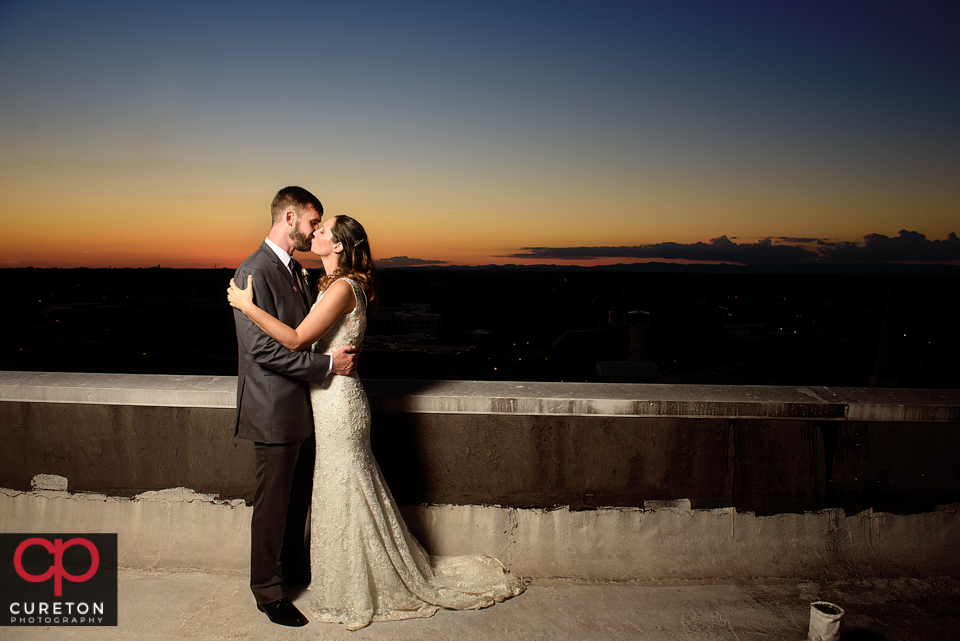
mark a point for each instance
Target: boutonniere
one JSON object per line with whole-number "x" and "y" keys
{"x": 306, "y": 274}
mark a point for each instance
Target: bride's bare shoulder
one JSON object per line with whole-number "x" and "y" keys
{"x": 340, "y": 294}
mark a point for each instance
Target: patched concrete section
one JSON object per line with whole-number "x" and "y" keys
{"x": 49, "y": 482}
{"x": 917, "y": 543}
{"x": 677, "y": 543}
{"x": 180, "y": 529}
{"x": 175, "y": 528}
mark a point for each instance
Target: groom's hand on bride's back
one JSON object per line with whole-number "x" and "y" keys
{"x": 344, "y": 361}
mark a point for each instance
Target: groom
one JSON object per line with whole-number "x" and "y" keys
{"x": 273, "y": 404}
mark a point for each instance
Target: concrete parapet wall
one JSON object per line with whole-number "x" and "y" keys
{"x": 179, "y": 529}
{"x": 579, "y": 480}
{"x": 767, "y": 450}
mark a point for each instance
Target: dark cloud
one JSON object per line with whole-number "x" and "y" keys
{"x": 907, "y": 246}
{"x": 796, "y": 241}
{"x": 403, "y": 261}
{"x": 876, "y": 248}
{"x": 722, "y": 249}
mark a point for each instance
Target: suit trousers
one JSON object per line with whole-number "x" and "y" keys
{"x": 279, "y": 544}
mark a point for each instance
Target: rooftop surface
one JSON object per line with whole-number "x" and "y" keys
{"x": 158, "y": 606}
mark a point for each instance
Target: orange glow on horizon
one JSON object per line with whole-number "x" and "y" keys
{"x": 135, "y": 228}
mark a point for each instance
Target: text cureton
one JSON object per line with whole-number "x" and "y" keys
{"x": 56, "y": 608}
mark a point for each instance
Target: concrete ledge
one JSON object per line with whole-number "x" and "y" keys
{"x": 514, "y": 398}
{"x": 119, "y": 389}
{"x": 179, "y": 529}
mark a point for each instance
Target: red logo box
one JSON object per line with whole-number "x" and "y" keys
{"x": 58, "y": 579}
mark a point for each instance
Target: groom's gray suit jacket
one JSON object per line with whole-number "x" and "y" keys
{"x": 273, "y": 398}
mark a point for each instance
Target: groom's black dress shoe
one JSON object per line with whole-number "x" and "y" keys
{"x": 283, "y": 612}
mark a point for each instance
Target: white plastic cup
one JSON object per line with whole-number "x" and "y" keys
{"x": 826, "y": 621}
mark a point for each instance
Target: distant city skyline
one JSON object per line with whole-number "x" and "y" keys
{"x": 144, "y": 134}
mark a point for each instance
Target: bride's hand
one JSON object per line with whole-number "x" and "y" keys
{"x": 242, "y": 299}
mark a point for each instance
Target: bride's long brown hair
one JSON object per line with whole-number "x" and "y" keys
{"x": 356, "y": 261}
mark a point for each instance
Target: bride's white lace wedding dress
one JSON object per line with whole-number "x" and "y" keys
{"x": 366, "y": 564}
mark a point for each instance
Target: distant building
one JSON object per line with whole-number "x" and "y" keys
{"x": 412, "y": 318}
{"x": 638, "y": 368}
{"x": 426, "y": 323}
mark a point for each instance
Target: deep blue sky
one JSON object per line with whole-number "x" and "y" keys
{"x": 470, "y": 131}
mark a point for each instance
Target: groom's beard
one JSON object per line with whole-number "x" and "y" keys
{"x": 301, "y": 242}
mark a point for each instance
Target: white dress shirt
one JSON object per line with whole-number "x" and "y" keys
{"x": 285, "y": 259}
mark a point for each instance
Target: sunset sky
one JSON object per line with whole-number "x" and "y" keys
{"x": 136, "y": 134}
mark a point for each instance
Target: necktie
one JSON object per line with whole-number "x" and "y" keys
{"x": 295, "y": 272}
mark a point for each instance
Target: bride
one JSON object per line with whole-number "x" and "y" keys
{"x": 370, "y": 567}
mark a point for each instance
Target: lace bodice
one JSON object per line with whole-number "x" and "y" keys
{"x": 350, "y": 328}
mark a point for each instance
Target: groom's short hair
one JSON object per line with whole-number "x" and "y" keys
{"x": 296, "y": 197}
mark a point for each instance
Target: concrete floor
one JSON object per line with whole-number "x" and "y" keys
{"x": 161, "y": 606}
